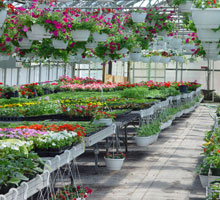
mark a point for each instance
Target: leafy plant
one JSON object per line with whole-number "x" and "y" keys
{"x": 149, "y": 129}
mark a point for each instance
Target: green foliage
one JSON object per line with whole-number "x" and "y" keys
{"x": 149, "y": 129}
{"x": 136, "y": 92}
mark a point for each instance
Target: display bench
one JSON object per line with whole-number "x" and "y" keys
{"x": 41, "y": 181}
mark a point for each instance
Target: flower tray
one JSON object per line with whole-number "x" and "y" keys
{"x": 123, "y": 114}
{"x": 51, "y": 152}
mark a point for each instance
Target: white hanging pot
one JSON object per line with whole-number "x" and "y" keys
{"x": 208, "y": 45}
{"x": 155, "y": 58}
{"x": 208, "y": 18}
{"x": 203, "y": 180}
{"x": 188, "y": 47}
{"x": 125, "y": 59}
{"x": 138, "y": 17}
{"x": 91, "y": 45}
{"x": 108, "y": 16}
{"x": 144, "y": 141}
{"x": 135, "y": 57}
{"x": 123, "y": 51}
{"x": 186, "y": 7}
{"x": 136, "y": 50}
{"x": 80, "y": 35}
{"x": 167, "y": 38}
{"x": 38, "y": 29}
{"x": 161, "y": 43}
{"x": 165, "y": 60}
{"x": 114, "y": 164}
{"x": 32, "y": 36}
{"x": 163, "y": 33}
{"x": 3, "y": 15}
{"x": 4, "y": 57}
{"x": 25, "y": 43}
{"x": 180, "y": 59}
{"x": 145, "y": 59}
{"x": 208, "y": 35}
{"x": 107, "y": 121}
{"x": 100, "y": 37}
{"x": 59, "y": 44}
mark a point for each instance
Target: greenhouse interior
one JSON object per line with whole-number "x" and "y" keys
{"x": 109, "y": 100}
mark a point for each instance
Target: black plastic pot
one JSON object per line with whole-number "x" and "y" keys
{"x": 8, "y": 95}
{"x": 46, "y": 91}
{"x": 215, "y": 171}
{"x": 50, "y": 152}
{"x": 183, "y": 88}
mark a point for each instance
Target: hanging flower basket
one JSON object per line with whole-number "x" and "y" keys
{"x": 186, "y": 7}
{"x": 208, "y": 35}
{"x": 144, "y": 141}
{"x": 107, "y": 121}
{"x": 91, "y": 45}
{"x": 180, "y": 59}
{"x": 138, "y": 17}
{"x": 108, "y": 16}
{"x": 25, "y": 43}
{"x": 4, "y": 57}
{"x": 100, "y": 37}
{"x": 155, "y": 58}
{"x": 189, "y": 47}
{"x": 114, "y": 164}
{"x": 209, "y": 46}
{"x": 80, "y": 35}
{"x": 135, "y": 57}
{"x": 33, "y": 36}
{"x": 38, "y": 29}
{"x": 59, "y": 44}
{"x": 145, "y": 59}
{"x": 206, "y": 18}
{"x": 123, "y": 51}
{"x": 165, "y": 60}
{"x": 163, "y": 33}
{"x": 203, "y": 180}
{"x": 125, "y": 59}
{"x": 3, "y": 15}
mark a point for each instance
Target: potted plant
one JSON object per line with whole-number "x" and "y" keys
{"x": 3, "y": 12}
{"x": 81, "y": 28}
{"x": 147, "y": 134}
{"x": 9, "y": 91}
{"x": 114, "y": 161}
{"x": 138, "y": 15}
{"x": 203, "y": 170}
{"x": 184, "y": 5}
{"x": 155, "y": 56}
{"x": 214, "y": 160}
{"x": 101, "y": 117}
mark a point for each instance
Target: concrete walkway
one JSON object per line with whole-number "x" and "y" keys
{"x": 162, "y": 171}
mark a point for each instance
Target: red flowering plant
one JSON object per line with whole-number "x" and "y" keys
{"x": 72, "y": 192}
{"x": 31, "y": 90}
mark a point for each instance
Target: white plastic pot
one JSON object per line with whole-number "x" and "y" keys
{"x": 123, "y": 51}
{"x": 125, "y": 59}
{"x": 135, "y": 57}
{"x": 163, "y": 33}
{"x": 4, "y": 57}
{"x": 107, "y": 121}
{"x": 188, "y": 47}
{"x": 208, "y": 18}
{"x": 138, "y": 17}
{"x": 25, "y": 43}
{"x": 32, "y": 36}
{"x": 186, "y": 7}
{"x": 3, "y": 15}
{"x": 100, "y": 37}
{"x": 208, "y": 45}
{"x": 166, "y": 125}
{"x": 144, "y": 141}
{"x": 155, "y": 58}
{"x": 91, "y": 45}
{"x": 108, "y": 16}
{"x": 38, "y": 29}
{"x": 80, "y": 35}
{"x": 145, "y": 59}
{"x": 180, "y": 59}
{"x": 114, "y": 164}
{"x": 59, "y": 44}
{"x": 208, "y": 35}
{"x": 165, "y": 60}
{"x": 203, "y": 180}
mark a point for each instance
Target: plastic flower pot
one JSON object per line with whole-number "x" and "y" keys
{"x": 3, "y": 15}
{"x": 165, "y": 60}
{"x": 185, "y": 7}
{"x": 91, "y": 45}
{"x": 107, "y": 121}
{"x": 123, "y": 51}
{"x": 4, "y": 57}
{"x": 38, "y": 29}
{"x": 215, "y": 171}
{"x": 59, "y": 44}
{"x": 34, "y": 36}
{"x": 209, "y": 46}
{"x": 80, "y": 35}
{"x": 108, "y": 16}
{"x": 208, "y": 35}
{"x": 145, "y": 59}
{"x": 203, "y": 180}
{"x": 155, "y": 58}
{"x": 100, "y": 37}
{"x": 206, "y": 18}
{"x": 25, "y": 43}
{"x": 135, "y": 56}
{"x": 183, "y": 88}
{"x": 144, "y": 141}
{"x": 114, "y": 164}
{"x": 138, "y": 17}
